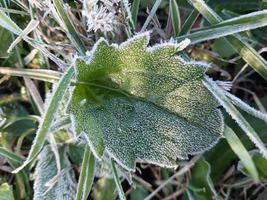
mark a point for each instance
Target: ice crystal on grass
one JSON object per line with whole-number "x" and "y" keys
{"x": 143, "y": 103}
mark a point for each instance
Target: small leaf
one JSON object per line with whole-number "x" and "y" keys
{"x": 143, "y": 103}
{"x": 104, "y": 189}
{"x": 6, "y": 192}
{"x": 62, "y": 186}
{"x": 201, "y": 181}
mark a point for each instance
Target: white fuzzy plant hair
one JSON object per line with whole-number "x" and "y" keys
{"x": 100, "y": 15}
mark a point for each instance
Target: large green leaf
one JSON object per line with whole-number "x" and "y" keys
{"x": 143, "y": 103}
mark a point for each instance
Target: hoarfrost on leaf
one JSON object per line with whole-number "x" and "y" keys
{"x": 143, "y": 103}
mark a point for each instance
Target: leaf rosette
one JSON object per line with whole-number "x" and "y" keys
{"x": 141, "y": 103}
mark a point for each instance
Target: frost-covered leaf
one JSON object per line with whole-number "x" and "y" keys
{"x": 6, "y": 192}
{"x": 48, "y": 183}
{"x": 143, "y": 103}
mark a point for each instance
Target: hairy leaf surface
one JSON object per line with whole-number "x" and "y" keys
{"x": 143, "y": 103}
{"x": 63, "y": 185}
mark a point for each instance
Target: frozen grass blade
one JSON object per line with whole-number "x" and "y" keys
{"x": 175, "y": 16}
{"x": 86, "y": 176}
{"x": 117, "y": 181}
{"x": 235, "y": 114}
{"x": 60, "y": 124}
{"x": 70, "y": 30}
{"x": 83, "y": 173}
{"x": 90, "y": 174}
{"x": 135, "y": 10}
{"x": 239, "y": 149}
{"x": 189, "y": 22}
{"x": 238, "y": 24}
{"x": 35, "y": 95}
{"x": 13, "y": 11}
{"x": 252, "y": 57}
{"x": 10, "y": 155}
{"x": 250, "y": 110}
{"x": 48, "y": 117}
{"x": 30, "y": 27}
{"x": 38, "y": 74}
{"x": 151, "y": 14}
{"x": 8, "y": 24}
{"x": 128, "y": 16}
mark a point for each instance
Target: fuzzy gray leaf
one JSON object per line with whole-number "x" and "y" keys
{"x": 46, "y": 170}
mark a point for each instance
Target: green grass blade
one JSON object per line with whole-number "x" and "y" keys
{"x": 206, "y": 11}
{"x": 239, "y": 149}
{"x": 250, "y": 110}
{"x": 86, "y": 176}
{"x": 83, "y": 173}
{"x": 90, "y": 174}
{"x": 70, "y": 30}
{"x": 238, "y": 24}
{"x": 220, "y": 95}
{"x": 175, "y": 16}
{"x": 128, "y": 16}
{"x": 8, "y": 24}
{"x": 242, "y": 47}
{"x": 151, "y": 14}
{"x": 48, "y": 117}
{"x": 250, "y": 18}
{"x": 189, "y": 22}
{"x": 10, "y": 155}
{"x": 13, "y": 11}
{"x": 38, "y": 74}
{"x": 117, "y": 181}
{"x": 135, "y": 10}
{"x": 252, "y": 57}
